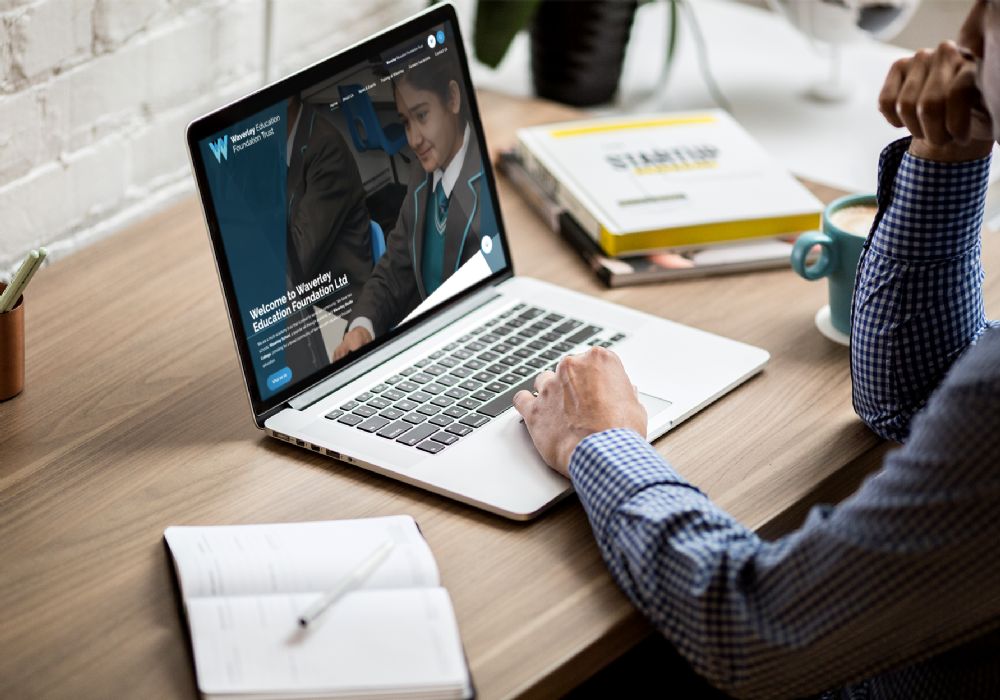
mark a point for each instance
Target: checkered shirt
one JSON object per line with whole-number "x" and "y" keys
{"x": 895, "y": 592}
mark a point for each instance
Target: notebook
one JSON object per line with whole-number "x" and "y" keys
{"x": 244, "y": 587}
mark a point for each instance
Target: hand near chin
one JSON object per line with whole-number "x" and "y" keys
{"x": 352, "y": 341}
{"x": 935, "y": 95}
{"x": 587, "y": 394}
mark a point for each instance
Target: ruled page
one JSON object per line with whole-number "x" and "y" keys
{"x": 387, "y": 642}
{"x": 228, "y": 560}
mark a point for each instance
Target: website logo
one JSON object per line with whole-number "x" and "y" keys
{"x": 220, "y": 149}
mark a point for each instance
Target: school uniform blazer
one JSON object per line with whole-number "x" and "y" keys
{"x": 328, "y": 227}
{"x": 396, "y": 286}
{"x": 328, "y": 221}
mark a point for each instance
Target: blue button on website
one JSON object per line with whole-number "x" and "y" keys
{"x": 282, "y": 376}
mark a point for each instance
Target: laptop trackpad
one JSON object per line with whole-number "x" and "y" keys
{"x": 653, "y": 404}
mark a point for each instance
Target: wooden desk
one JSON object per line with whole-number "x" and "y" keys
{"x": 134, "y": 418}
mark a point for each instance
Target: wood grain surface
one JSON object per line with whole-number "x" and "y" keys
{"x": 134, "y": 418}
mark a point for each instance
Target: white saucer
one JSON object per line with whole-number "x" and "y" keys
{"x": 825, "y": 326}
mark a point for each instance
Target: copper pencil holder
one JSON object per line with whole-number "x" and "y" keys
{"x": 12, "y": 350}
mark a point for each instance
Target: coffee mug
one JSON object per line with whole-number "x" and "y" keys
{"x": 846, "y": 223}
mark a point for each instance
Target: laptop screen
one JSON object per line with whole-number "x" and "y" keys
{"x": 350, "y": 206}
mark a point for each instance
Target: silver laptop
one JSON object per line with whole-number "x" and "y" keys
{"x": 353, "y": 215}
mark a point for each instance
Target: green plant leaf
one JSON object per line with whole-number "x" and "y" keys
{"x": 672, "y": 37}
{"x": 497, "y": 22}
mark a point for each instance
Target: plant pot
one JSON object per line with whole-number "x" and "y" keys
{"x": 577, "y": 49}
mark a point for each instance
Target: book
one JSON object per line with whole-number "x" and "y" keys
{"x": 243, "y": 588}
{"x": 644, "y": 268}
{"x": 653, "y": 182}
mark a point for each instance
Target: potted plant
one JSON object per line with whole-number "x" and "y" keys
{"x": 577, "y": 48}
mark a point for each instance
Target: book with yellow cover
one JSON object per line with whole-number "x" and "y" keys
{"x": 645, "y": 183}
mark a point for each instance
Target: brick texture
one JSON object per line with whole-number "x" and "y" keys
{"x": 95, "y": 96}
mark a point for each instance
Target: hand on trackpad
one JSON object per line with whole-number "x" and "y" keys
{"x": 653, "y": 404}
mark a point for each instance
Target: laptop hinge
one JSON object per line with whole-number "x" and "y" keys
{"x": 439, "y": 322}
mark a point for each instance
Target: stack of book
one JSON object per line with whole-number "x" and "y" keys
{"x": 665, "y": 196}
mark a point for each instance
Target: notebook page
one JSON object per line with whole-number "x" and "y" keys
{"x": 368, "y": 640}
{"x": 225, "y": 560}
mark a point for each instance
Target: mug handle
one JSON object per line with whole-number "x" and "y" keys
{"x": 827, "y": 257}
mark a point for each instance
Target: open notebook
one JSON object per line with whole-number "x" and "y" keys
{"x": 244, "y": 587}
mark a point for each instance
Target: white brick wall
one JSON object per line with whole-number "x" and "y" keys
{"x": 95, "y": 95}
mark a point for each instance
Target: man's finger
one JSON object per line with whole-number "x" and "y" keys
{"x": 566, "y": 364}
{"x": 543, "y": 378}
{"x": 958, "y": 103}
{"x": 890, "y": 92}
{"x": 967, "y": 116}
{"x": 909, "y": 94}
{"x": 522, "y": 400}
{"x": 982, "y": 127}
{"x": 932, "y": 102}
{"x": 612, "y": 357}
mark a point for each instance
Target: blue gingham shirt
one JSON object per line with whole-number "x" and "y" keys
{"x": 894, "y": 593}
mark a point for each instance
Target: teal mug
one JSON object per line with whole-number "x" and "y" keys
{"x": 846, "y": 224}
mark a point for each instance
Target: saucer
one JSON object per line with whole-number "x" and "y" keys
{"x": 825, "y": 326}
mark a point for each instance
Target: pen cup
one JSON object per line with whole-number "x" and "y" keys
{"x": 12, "y": 350}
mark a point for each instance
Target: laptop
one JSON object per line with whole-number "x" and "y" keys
{"x": 352, "y": 211}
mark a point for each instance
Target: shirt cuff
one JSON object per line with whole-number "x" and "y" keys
{"x": 362, "y": 322}
{"x": 609, "y": 468}
{"x": 928, "y": 210}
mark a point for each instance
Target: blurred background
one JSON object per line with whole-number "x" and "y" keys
{"x": 95, "y": 94}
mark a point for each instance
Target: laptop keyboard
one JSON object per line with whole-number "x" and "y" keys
{"x": 446, "y": 395}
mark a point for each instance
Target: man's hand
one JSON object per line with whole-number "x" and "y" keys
{"x": 352, "y": 341}
{"x": 587, "y": 394}
{"x": 935, "y": 95}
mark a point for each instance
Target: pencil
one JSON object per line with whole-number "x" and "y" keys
{"x": 12, "y": 293}
{"x": 363, "y": 571}
{"x": 31, "y": 273}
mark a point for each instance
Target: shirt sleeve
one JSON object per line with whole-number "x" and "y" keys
{"x": 856, "y": 590}
{"x": 362, "y": 322}
{"x": 918, "y": 298}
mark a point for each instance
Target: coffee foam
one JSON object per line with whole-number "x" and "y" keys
{"x": 856, "y": 220}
